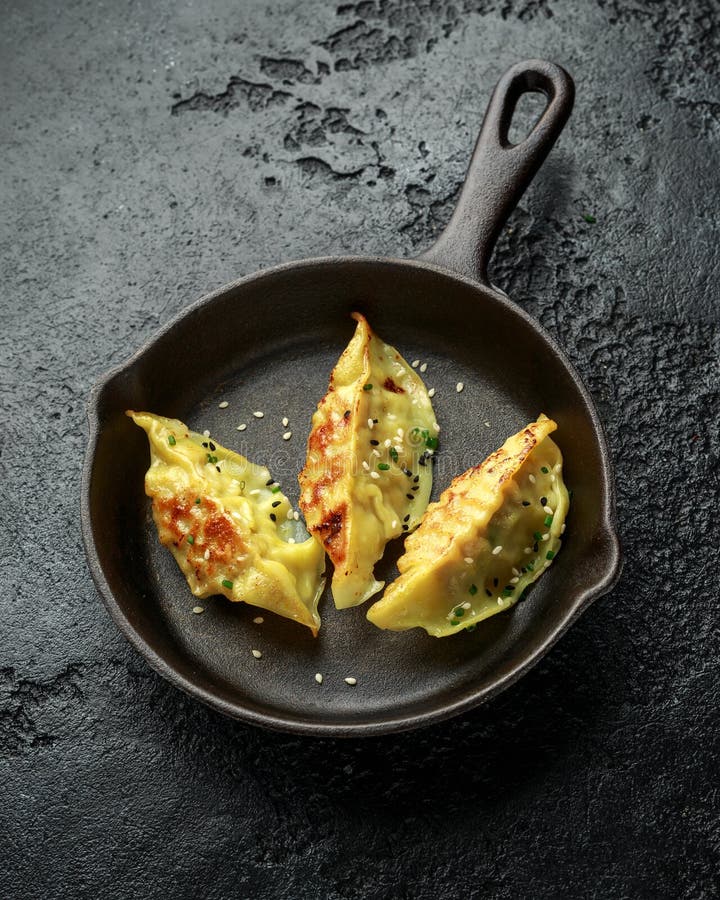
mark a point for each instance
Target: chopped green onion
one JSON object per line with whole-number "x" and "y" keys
{"x": 383, "y": 467}
{"x": 537, "y": 535}
{"x": 472, "y": 590}
{"x": 459, "y": 612}
{"x": 227, "y": 584}
{"x": 590, "y": 219}
{"x": 548, "y": 520}
{"x": 550, "y": 554}
{"x": 198, "y": 501}
{"x": 275, "y": 490}
{"x": 531, "y": 566}
{"x": 544, "y": 470}
{"x": 171, "y": 440}
{"x": 454, "y": 622}
{"x": 393, "y": 454}
{"x": 508, "y": 590}
{"x": 431, "y": 443}
{"x": 211, "y": 458}
{"x": 190, "y": 539}
{"x": 367, "y": 387}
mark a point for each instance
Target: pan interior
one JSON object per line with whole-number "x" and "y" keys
{"x": 268, "y": 345}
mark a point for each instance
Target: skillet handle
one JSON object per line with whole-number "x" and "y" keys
{"x": 499, "y": 171}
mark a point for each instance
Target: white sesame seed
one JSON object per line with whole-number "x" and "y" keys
{"x": 351, "y": 681}
{"x": 366, "y": 465}
{"x": 562, "y": 530}
{"x": 546, "y": 536}
{"x": 401, "y": 432}
{"x": 469, "y": 560}
{"x": 291, "y": 540}
{"x": 547, "y": 563}
{"x": 500, "y": 601}
{"x": 287, "y": 435}
{"x": 223, "y": 405}
{"x": 258, "y": 620}
{"x": 318, "y": 677}
{"x": 242, "y": 427}
{"x": 206, "y": 433}
{"x": 466, "y": 605}
{"x": 394, "y": 523}
{"x": 548, "y": 510}
{"x": 557, "y": 467}
{"x": 423, "y": 367}
{"x": 258, "y": 414}
{"x": 289, "y": 514}
{"x": 206, "y": 554}
{"x": 436, "y": 427}
{"x": 431, "y": 392}
{"x": 459, "y": 387}
{"x": 531, "y": 479}
{"x": 285, "y": 421}
{"x": 374, "y": 474}
{"x": 415, "y": 363}
{"x": 256, "y": 653}
{"x": 553, "y": 479}
{"x": 371, "y": 424}
{"x": 275, "y": 484}
{"x": 376, "y": 452}
{"x": 497, "y": 550}
{"x": 398, "y": 448}
{"x": 486, "y": 424}
{"x": 515, "y": 571}
{"x": 387, "y": 442}
{"x": 514, "y": 580}
{"x": 255, "y": 492}
{"x": 198, "y": 609}
{"x": 296, "y": 516}
{"x": 528, "y": 550}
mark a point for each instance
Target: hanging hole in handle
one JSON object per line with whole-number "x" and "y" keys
{"x": 527, "y": 112}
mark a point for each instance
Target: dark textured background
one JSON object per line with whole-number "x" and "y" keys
{"x": 150, "y": 152}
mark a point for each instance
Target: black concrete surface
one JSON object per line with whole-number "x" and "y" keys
{"x": 153, "y": 151}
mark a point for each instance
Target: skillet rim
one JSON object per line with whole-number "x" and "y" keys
{"x": 609, "y": 554}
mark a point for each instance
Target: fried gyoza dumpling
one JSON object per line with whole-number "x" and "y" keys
{"x": 227, "y": 524}
{"x": 368, "y": 474}
{"x": 490, "y": 535}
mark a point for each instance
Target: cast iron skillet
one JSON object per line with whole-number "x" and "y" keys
{"x": 268, "y": 342}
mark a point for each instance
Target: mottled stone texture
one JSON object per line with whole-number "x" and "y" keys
{"x": 153, "y": 151}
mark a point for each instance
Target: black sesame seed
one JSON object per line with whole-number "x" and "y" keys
{"x": 535, "y": 548}
{"x": 416, "y": 478}
{"x": 489, "y": 593}
{"x": 273, "y": 517}
{"x": 495, "y": 582}
{"x": 374, "y": 442}
{"x": 217, "y": 468}
{"x": 407, "y": 472}
{"x": 268, "y": 483}
{"x": 212, "y": 446}
{"x": 276, "y": 503}
{"x": 405, "y": 527}
{"x": 415, "y": 487}
{"x": 410, "y": 496}
{"x": 543, "y": 501}
{"x": 407, "y": 518}
{"x": 346, "y": 414}
{"x": 375, "y": 421}
{"x": 526, "y": 503}
{"x": 421, "y": 461}
{"x": 205, "y": 443}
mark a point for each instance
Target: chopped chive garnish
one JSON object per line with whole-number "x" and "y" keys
{"x": 171, "y": 440}
{"x": 275, "y": 490}
{"x": 589, "y": 218}
{"x": 367, "y": 387}
{"x": 531, "y": 566}
{"x": 544, "y": 470}
{"x": 393, "y": 454}
{"x": 227, "y": 584}
{"x": 459, "y": 612}
{"x": 383, "y": 467}
{"x": 537, "y": 535}
{"x": 431, "y": 443}
{"x": 211, "y": 458}
{"x": 550, "y": 554}
{"x": 472, "y": 590}
{"x": 190, "y": 539}
{"x": 454, "y": 622}
{"x": 548, "y": 520}
{"x": 198, "y": 501}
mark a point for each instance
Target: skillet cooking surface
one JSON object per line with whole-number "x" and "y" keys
{"x": 269, "y": 343}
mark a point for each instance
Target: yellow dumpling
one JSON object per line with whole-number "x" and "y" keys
{"x": 491, "y": 534}
{"x": 368, "y": 475}
{"x": 226, "y": 523}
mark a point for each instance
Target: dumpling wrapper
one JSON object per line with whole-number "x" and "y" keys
{"x": 214, "y": 511}
{"x": 485, "y": 541}
{"x": 357, "y": 493}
